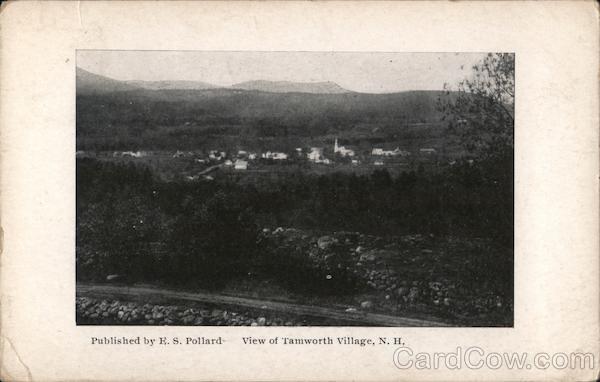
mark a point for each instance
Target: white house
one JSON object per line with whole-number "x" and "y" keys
{"x": 228, "y": 163}
{"x": 241, "y": 165}
{"x": 401, "y": 153}
{"x": 136, "y": 154}
{"x": 215, "y": 155}
{"x": 390, "y": 153}
{"x": 274, "y": 155}
{"x": 315, "y": 154}
{"x": 427, "y": 151}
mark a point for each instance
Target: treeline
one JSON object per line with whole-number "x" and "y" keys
{"x": 205, "y": 233}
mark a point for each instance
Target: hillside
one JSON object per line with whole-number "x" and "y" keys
{"x": 291, "y": 87}
{"x": 90, "y": 83}
{"x": 159, "y": 85}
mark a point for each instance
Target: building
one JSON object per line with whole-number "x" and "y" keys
{"x": 136, "y": 154}
{"x": 390, "y": 153}
{"x": 274, "y": 155}
{"x": 343, "y": 151}
{"x": 427, "y": 151}
{"x": 378, "y": 163}
{"x": 241, "y": 165}
{"x": 228, "y": 162}
{"x": 215, "y": 155}
{"x": 315, "y": 154}
{"x": 402, "y": 153}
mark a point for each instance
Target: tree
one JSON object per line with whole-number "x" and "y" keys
{"x": 214, "y": 240}
{"x": 482, "y": 110}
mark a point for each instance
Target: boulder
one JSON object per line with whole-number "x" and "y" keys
{"x": 402, "y": 291}
{"x": 326, "y": 242}
{"x": 114, "y": 278}
{"x": 435, "y": 285}
{"x": 369, "y": 257}
{"x": 413, "y": 294}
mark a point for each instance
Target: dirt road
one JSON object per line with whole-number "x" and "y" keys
{"x": 156, "y": 295}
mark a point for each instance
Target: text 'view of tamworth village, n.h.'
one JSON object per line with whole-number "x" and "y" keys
{"x": 294, "y": 188}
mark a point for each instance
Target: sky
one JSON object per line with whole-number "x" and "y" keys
{"x": 356, "y": 71}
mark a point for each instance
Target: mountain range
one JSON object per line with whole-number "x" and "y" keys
{"x": 90, "y": 83}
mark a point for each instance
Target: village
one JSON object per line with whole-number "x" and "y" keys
{"x": 201, "y": 164}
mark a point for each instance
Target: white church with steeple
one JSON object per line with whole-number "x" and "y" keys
{"x": 342, "y": 150}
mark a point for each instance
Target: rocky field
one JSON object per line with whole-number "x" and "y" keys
{"x": 453, "y": 280}
{"x": 93, "y": 311}
{"x": 461, "y": 281}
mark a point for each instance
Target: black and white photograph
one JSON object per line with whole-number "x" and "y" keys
{"x": 292, "y": 188}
